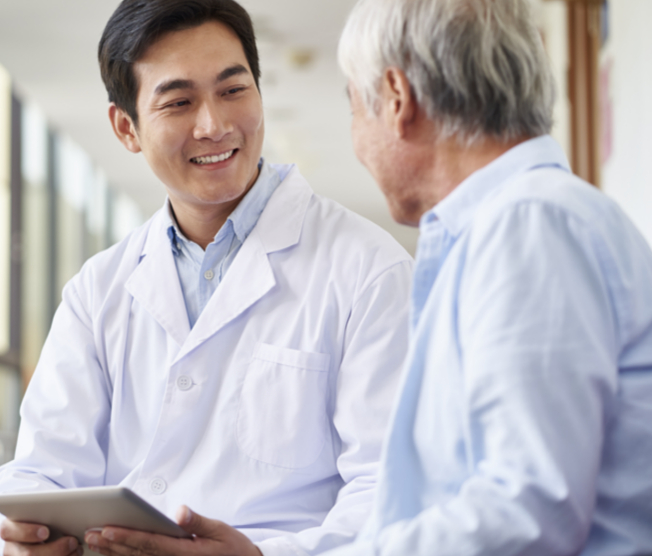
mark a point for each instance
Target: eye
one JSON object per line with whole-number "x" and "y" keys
{"x": 234, "y": 90}
{"x": 177, "y": 104}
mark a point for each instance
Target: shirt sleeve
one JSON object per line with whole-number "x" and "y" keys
{"x": 374, "y": 352}
{"x": 65, "y": 411}
{"x": 536, "y": 333}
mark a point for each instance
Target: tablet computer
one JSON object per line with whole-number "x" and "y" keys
{"x": 75, "y": 511}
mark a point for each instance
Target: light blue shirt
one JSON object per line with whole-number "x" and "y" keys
{"x": 200, "y": 272}
{"x": 524, "y": 424}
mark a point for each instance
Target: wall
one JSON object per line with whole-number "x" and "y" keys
{"x": 5, "y": 202}
{"x": 552, "y": 20}
{"x": 626, "y": 84}
{"x": 56, "y": 209}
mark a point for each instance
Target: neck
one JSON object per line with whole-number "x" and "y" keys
{"x": 200, "y": 221}
{"x": 446, "y": 164}
{"x": 456, "y": 162}
{"x": 201, "y": 224}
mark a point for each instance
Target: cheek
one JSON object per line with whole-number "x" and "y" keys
{"x": 251, "y": 118}
{"x": 357, "y": 140}
{"x": 162, "y": 141}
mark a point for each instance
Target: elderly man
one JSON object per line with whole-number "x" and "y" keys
{"x": 236, "y": 357}
{"x": 524, "y": 425}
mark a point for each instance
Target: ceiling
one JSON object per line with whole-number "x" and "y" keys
{"x": 49, "y": 48}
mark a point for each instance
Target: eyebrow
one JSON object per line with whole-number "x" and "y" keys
{"x": 178, "y": 84}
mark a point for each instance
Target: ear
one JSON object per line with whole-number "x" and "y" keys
{"x": 124, "y": 128}
{"x": 399, "y": 105}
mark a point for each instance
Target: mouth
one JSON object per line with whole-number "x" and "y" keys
{"x": 213, "y": 159}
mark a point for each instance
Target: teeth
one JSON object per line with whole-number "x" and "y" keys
{"x": 213, "y": 159}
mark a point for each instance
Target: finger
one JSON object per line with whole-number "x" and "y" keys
{"x": 109, "y": 550}
{"x": 114, "y": 541}
{"x": 215, "y": 535}
{"x": 200, "y": 526}
{"x": 14, "y": 531}
{"x": 103, "y": 546}
{"x": 66, "y": 546}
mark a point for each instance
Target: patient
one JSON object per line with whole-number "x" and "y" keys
{"x": 524, "y": 426}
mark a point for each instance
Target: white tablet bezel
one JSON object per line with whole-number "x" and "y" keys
{"x": 75, "y": 511}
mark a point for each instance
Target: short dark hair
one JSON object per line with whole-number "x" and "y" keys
{"x": 137, "y": 24}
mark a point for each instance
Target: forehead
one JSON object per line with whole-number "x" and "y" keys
{"x": 176, "y": 53}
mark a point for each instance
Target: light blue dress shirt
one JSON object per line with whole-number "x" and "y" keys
{"x": 200, "y": 272}
{"x": 524, "y": 424}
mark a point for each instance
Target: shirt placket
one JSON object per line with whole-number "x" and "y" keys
{"x": 432, "y": 249}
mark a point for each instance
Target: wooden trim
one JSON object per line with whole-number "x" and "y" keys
{"x": 593, "y": 2}
{"x": 584, "y": 49}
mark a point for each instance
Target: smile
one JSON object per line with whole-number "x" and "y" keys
{"x": 212, "y": 159}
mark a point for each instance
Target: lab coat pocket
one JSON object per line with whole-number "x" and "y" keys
{"x": 282, "y": 415}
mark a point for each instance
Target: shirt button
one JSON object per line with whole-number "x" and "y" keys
{"x": 184, "y": 383}
{"x": 209, "y": 275}
{"x": 157, "y": 485}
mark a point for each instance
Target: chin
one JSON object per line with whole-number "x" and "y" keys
{"x": 403, "y": 215}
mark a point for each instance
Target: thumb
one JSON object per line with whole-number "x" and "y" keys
{"x": 198, "y": 525}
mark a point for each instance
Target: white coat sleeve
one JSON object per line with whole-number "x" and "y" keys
{"x": 65, "y": 411}
{"x": 375, "y": 349}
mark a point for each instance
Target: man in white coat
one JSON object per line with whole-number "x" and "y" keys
{"x": 237, "y": 354}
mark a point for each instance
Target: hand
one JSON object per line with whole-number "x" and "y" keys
{"x": 29, "y": 539}
{"x": 210, "y": 538}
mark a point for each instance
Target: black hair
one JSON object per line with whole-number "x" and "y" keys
{"x": 137, "y": 24}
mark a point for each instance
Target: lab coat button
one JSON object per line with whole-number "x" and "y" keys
{"x": 157, "y": 485}
{"x": 209, "y": 274}
{"x": 184, "y": 383}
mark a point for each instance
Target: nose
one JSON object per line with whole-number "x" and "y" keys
{"x": 211, "y": 123}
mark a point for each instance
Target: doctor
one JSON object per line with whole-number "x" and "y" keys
{"x": 236, "y": 355}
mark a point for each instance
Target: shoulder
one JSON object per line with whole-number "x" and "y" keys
{"x": 110, "y": 268}
{"x": 358, "y": 255}
{"x": 327, "y": 235}
{"x": 351, "y": 231}
{"x": 551, "y": 198}
{"x": 351, "y": 244}
{"x": 327, "y": 219}
{"x": 549, "y": 224}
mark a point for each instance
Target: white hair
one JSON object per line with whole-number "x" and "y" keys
{"x": 477, "y": 67}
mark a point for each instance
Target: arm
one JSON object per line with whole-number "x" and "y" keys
{"x": 65, "y": 410}
{"x": 374, "y": 351}
{"x": 536, "y": 335}
{"x": 63, "y": 417}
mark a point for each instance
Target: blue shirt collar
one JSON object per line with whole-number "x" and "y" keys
{"x": 456, "y": 210}
{"x": 245, "y": 216}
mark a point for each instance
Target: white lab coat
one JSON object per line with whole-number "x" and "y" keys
{"x": 269, "y": 414}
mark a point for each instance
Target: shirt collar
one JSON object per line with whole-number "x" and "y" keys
{"x": 456, "y": 210}
{"x": 245, "y": 215}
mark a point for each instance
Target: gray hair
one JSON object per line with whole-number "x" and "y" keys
{"x": 477, "y": 67}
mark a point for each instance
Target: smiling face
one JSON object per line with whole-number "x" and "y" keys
{"x": 200, "y": 118}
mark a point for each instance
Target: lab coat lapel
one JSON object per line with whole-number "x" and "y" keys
{"x": 155, "y": 285}
{"x": 249, "y": 278}
{"x": 251, "y": 275}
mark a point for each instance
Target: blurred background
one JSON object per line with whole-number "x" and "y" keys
{"x": 68, "y": 188}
